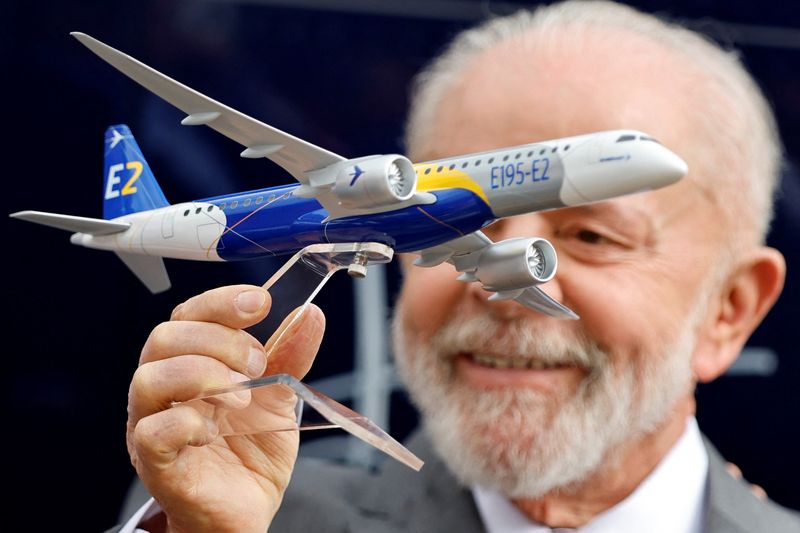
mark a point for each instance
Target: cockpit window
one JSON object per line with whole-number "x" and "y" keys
{"x": 624, "y": 138}
{"x": 644, "y": 138}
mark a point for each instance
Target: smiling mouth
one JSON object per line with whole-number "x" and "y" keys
{"x": 503, "y": 362}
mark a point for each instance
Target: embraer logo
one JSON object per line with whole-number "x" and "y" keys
{"x": 114, "y": 179}
{"x": 116, "y": 138}
{"x": 356, "y": 174}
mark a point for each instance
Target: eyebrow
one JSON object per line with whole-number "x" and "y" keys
{"x": 615, "y": 212}
{"x": 602, "y": 208}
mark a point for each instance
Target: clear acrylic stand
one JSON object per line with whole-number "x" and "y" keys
{"x": 252, "y": 406}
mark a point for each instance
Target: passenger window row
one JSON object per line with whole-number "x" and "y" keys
{"x": 233, "y": 205}
{"x": 506, "y": 157}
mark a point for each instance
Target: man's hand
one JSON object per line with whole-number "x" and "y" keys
{"x": 204, "y": 482}
{"x": 736, "y": 472}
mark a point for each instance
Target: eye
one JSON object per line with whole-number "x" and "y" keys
{"x": 591, "y": 237}
{"x": 588, "y": 237}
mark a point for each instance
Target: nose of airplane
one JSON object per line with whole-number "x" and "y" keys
{"x": 637, "y": 167}
{"x": 666, "y": 167}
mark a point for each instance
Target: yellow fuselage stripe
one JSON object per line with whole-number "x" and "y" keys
{"x": 446, "y": 179}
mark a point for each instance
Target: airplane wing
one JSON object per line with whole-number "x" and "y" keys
{"x": 295, "y": 155}
{"x": 464, "y": 252}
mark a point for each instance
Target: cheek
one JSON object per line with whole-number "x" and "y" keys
{"x": 620, "y": 309}
{"x": 428, "y": 297}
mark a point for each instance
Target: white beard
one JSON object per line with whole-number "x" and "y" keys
{"x": 521, "y": 442}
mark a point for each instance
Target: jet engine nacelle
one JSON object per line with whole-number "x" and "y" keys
{"x": 375, "y": 181}
{"x": 516, "y": 264}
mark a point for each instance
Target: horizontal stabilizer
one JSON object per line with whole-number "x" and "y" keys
{"x": 92, "y": 226}
{"x": 149, "y": 269}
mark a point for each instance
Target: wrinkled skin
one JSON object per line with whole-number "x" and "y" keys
{"x": 633, "y": 268}
{"x": 202, "y": 481}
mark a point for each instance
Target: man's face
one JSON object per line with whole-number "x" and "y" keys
{"x": 523, "y": 402}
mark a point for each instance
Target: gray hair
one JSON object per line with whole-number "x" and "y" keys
{"x": 736, "y": 130}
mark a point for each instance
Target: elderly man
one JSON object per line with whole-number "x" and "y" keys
{"x": 530, "y": 423}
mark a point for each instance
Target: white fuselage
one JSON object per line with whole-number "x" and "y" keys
{"x": 188, "y": 230}
{"x": 560, "y": 173}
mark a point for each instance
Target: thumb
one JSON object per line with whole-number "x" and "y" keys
{"x": 293, "y": 347}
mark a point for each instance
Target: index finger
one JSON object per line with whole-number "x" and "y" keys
{"x": 235, "y": 306}
{"x": 293, "y": 347}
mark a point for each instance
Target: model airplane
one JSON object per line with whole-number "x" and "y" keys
{"x": 436, "y": 208}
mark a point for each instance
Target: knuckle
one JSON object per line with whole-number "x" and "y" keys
{"x": 142, "y": 383}
{"x": 157, "y": 340}
{"x": 129, "y": 442}
{"x": 177, "y": 313}
{"x": 144, "y": 433}
{"x": 151, "y": 437}
{"x": 160, "y": 432}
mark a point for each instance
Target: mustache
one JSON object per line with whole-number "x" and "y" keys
{"x": 519, "y": 339}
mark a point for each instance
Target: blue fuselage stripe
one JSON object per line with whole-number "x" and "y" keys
{"x": 273, "y": 221}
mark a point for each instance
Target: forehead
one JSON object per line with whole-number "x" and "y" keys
{"x": 529, "y": 89}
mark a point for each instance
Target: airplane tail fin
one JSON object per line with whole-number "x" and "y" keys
{"x": 129, "y": 184}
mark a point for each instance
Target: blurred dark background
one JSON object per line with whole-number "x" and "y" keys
{"x": 335, "y": 73}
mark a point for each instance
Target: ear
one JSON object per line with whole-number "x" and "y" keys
{"x": 736, "y": 310}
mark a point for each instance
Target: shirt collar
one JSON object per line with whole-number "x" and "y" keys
{"x": 670, "y": 499}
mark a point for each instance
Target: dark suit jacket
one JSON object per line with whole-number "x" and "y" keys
{"x": 324, "y": 497}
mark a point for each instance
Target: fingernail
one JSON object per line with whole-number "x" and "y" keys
{"x": 256, "y": 362}
{"x": 236, "y": 377}
{"x": 250, "y": 301}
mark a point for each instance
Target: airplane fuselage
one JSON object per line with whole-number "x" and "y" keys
{"x": 465, "y": 193}
{"x": 273, "y": 222}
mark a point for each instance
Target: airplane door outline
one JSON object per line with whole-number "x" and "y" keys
{"x": 168, "y": 224}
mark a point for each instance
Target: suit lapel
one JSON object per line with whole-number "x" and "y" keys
{"x": 731, "y": 507}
